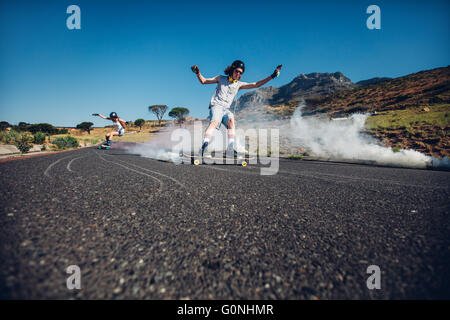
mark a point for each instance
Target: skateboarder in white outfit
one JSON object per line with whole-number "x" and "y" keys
{"x": 119, "y": 126}
{"x": 226, "y": 90}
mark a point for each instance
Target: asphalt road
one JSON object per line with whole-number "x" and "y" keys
{"x": 145, "y": 229}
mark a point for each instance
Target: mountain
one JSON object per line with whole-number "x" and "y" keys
{"x": 304, "y": 86}
{"x": 372, "y": 81}
{"x": 421, "y": 88}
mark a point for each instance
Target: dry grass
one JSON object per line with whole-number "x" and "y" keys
{"x": 438, "y": 115}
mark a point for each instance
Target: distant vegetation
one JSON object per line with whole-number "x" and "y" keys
{"x": 23, "y": 142}
{"x": 139, "y": 123}
{"x": 66, "y": 142}
{"x": 179, "y": 113}
{"x": 159, "y": 110}
{"x": 85, "y": 126}
{"x": 403, "y": 119}
{"x": 24, "y": 135}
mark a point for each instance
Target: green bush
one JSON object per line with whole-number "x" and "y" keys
{"x": 9, "y": 137}
{"x": 139, "y": 123}
{"x": 23, "y": 142}
{"x": 39, "y": 137}
{"x": 66, "y": 142}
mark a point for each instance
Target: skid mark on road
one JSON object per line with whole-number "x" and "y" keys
{"x": 155, "y": 172}
{"x": 70, "y": 163}
{"x": 161, "y": 184}
{"x": 46, "y": 172}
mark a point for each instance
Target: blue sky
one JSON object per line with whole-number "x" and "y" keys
{"x": 132, "y": 54}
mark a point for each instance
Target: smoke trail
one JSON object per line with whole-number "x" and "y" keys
{"x": 343, "y": 140}
{"x": 172, "y": 141}
{"x": 159, "y": 147}
{"x": 340, "y": 140}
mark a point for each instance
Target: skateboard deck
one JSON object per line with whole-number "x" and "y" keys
{"x": 103, "y": 147}
{"x": 198, "y": 159}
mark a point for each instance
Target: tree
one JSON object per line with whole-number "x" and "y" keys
{"x": 85, "y": 126}
{"x": 139, "y": 122}
{"x": 4, "y": 125}
{"x": 159, "y": 110}
{"x": 179, "y": 113}
{"x": 22, "y": 126}
{"x": 43, "y": 127}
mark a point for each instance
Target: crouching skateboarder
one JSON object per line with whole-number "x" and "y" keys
{"x": 227, "y": 87}
{"x": 119, "y": 126}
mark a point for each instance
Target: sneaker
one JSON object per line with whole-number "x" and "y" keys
{"x": 230, "y": 152}
{"x": 240, "y": 149}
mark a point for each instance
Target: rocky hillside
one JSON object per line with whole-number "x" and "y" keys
{"x": 313, "y": 85}
{"x": 417, "y": 89}
{"x": 372, "y": 81}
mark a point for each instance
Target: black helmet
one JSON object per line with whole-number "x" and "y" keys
{"x": 113, "y": 115}
{"x": 238, "y": 64}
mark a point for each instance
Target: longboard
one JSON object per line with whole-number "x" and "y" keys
{"x": 198, "y": 159}
{"x": 103, "y": 147}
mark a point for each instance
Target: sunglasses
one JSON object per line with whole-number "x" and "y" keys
{"x": 237, "y": 71}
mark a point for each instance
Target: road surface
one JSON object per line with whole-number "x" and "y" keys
{"x": 139, "y": 228}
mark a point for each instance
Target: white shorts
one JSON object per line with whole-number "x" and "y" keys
{"x": 220, "y": 114}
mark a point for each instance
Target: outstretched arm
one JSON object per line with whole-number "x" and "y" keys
{"x": 101, "y": 116}
{"x": 201, "y": 78}
{"x": 262, "y": 82}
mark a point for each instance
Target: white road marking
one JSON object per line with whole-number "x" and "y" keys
{"x": 70, "y": 162}
{"x": 161, "y": 184}
{"x": 52, "y": 164}
{"x": 155, "y": 172}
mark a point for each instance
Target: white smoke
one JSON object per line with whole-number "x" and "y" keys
{"x": 340, "y": 140}
{"x": 159, "y": 147}
{"x": 173, "y": 140}
{"x": 443, "y": 164}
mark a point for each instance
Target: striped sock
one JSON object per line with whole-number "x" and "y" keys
{"x": 230, "y": 140}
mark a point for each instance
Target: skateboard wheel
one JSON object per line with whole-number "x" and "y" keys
{"x": 244, "y": 163}
{"x": 196, "y": 162}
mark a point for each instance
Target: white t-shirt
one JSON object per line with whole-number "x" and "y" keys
{"x": 118, "y": 125}
{"x": 225, "y": 92}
